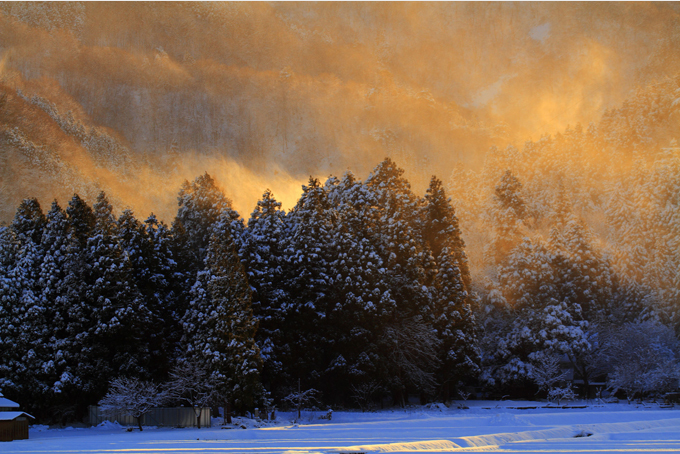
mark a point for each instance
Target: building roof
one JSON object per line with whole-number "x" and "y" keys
{"x": 4, "y": 402}
{"x": 11, "y": 415}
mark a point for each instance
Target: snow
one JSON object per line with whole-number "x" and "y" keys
{"x": 4, "y": 402}
{"x": 484, "y": 427}
{"x": 11, "y": 415}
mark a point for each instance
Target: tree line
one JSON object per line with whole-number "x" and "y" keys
{"x": 361, "y": 283}
{"x": 362, "y": 291}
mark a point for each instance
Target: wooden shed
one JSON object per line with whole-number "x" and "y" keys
{"x": 13, "y": 425}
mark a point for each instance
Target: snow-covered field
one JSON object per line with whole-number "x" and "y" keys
{"x": 485, "y": 427}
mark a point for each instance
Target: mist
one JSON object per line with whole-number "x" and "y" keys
{"x": 263, "y": 95}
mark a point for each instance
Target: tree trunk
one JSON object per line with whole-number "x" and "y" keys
{"x": 139, "y": 422}
{"x": 227, "y": 412}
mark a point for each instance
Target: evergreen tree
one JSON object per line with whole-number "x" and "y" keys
{"x": 592, "y": 277}
{"x": 396, "y": 230}
{"x": 397, "y": 234}
{"x": 53, "y": 278}
{"x": 527, "y": 282}
{"x": 263, "y": 252}
{"x": 71, "y": 312}
{"x": 29, "y": 221}
{"x": 308, "y": 283}
{"x": 26, "y": 326}
{"x": 151, "y": 266}
{"x": 507, "y": 195}
{"x": 34, "y": 325}
{"x": 81, "y": 221}
{"x": 115, "y": 321}
{"x": 9, "y": 310}
{"x": 166, "y": 285}
{"x": 508, "y": 213}
{"x": 201, "y": 203}
{"x": 453, "y": 317}
{"x": 359, "y": 297}
{"x": 219, "y": 326}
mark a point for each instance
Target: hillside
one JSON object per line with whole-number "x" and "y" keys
{"x": 135, "y": 98}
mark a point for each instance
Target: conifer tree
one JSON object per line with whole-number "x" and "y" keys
{"x": 219, "y": 326}
{"x": 53, "y": 273}
{"x": 453, "y": 316}
{"x": 263, "y": 252}
{"x": 33, "y": 323}
{"x": 29, "y": 221}
{"x": 9, "y": 300}
{"x": 27, "y": 325}
{"x": 201, "y": 203}
{"x": 117, "y": 322}
{"x": 592, "y": 278}
{"x": 307, "y": 283}
{"x": 81, "y": 221}
{"x": 151, "y": 266}
{"x": 165, "y": 283}
{"x": 442, "y": 230}
{"x": 359, "y": 297}
{"x": 509, "y": 211}
{"x": 398, "y": 235}
{"x": 71, "y": 315}
{"x": 527, "y": 282}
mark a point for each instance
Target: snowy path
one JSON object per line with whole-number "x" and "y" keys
{"x": 615, "y": 428}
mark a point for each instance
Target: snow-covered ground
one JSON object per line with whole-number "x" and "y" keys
{"x": 484, "y": 427}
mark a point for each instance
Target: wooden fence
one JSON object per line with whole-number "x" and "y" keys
{"x": 169, "y": 417}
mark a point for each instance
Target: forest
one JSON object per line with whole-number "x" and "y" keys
{"x": 365, "y": 291}
{"x": 542, "y": 260}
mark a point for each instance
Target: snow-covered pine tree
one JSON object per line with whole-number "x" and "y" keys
{"x": 72, "y": 318}
{"x": 29, "y": 221}
{"x": 263, "y": 254}
{"x": 81, "y": 221}
{"x": 453, "y": 316}
{"x": 24, "y": 324}
{"x": 396, "y": 230}
{"x": 219, "y": 326}
{"x": 151, "y": 264}
{"x": 543, "y": 317}
{"x": 52, "y": 276}
{"x": 28, "y": 317}
{"x": 165, "y": 282}
{"x": 525, "y": 279}
{"x": 9, "y": 300}
{"x": 508, "y": 212}
{"x": 201, "y": 202}
{"x": 359, "y": 298}
{"x": 397, "y": 234}
{"x": 117, "y": 321}
{"x": 593, "y": 277}
{"x": 307, "y": 283}
{"x": 442, "y": 230}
